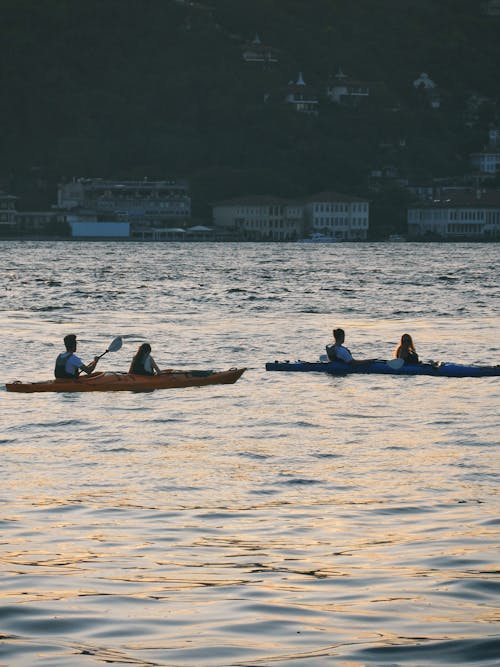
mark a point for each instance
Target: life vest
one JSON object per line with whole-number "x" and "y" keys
{"x": 330, "y": 351}
{"x": 411, "y": 358}
{"x": 60, "y": 368}
{"x": 138, "y": 367}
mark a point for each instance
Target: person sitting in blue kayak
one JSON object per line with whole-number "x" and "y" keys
{"x": 406, "y": 350}
{"x": 143, "y": 363}
{"x": 337, "y": 351}
{"x": 68, "y": 365}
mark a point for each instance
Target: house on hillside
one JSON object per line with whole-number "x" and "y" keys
{"x": 302, "y": 97}
{"x": 438, "y": 188}
{"x": 487, "y": 161}
{"x": 491, "y": 7}
{"x": 494, "y": 137}
{"x": 385, "y": 176}
{"x": 428, "y": 90}
{"x": 473, "y": 106}
{"x": 343, "y": 90}
{"x": 423, "y": 191}
{"x": 256, "y": 52}
{"x": 462, "y": 215}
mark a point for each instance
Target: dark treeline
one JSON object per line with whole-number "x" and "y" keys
{"x": 159, "y": 88}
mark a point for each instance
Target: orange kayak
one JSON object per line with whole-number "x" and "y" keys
{"x": 110, "y": 381}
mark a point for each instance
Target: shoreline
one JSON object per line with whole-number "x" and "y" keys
{"x": 95, "y": 239}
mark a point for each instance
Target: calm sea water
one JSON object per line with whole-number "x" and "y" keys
{"x": 287, "y": 520}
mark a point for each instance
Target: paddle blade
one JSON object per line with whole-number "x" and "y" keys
{"x": 115, "y": 344}
{"x": 396, "y": 364}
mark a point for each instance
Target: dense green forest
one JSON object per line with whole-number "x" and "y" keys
{"x": 159, "y": 88}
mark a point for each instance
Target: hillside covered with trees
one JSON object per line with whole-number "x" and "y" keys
{"x": 159, "y": 88}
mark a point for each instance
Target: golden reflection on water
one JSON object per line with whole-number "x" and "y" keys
{"x": 300, "y": 520}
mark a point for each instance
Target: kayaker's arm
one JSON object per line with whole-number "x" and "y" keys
{"x": 90, "y": 367}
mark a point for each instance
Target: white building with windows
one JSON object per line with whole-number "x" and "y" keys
{"x": 260, "y": 218}
{"x": 343, "y": 90}
{"x": 462, "y": 216}
{"x": 486, "y": 162}
{"x": 302, "y": 97}
{"x": 268, "y": 218}
{"x": 343, "y": 217}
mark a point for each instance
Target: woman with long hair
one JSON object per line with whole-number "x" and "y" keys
{"x": 143, "y": 363}
{"x": 406, "y": 350}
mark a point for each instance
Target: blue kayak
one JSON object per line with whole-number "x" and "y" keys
{"x": 384, "y": 368}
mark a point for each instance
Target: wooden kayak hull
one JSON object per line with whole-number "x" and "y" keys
{"x": 112, "y": 381}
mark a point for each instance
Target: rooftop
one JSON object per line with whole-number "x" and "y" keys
{"x": 480, "y": 198}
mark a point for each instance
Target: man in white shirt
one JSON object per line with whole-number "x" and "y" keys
{"x": 68, "y": 365}
{"x": 338, "y": 352}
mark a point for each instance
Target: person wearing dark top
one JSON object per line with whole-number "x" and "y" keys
{"x": 143, "y": 363}
{"x": 406, "y": 350}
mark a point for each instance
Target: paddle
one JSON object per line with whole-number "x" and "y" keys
{"x": 396, "y": 364}
{"x": 114, "y": 346}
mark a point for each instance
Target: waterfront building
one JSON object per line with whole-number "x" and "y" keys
{"x": 462, "y": 215}
{"x": 269, "y": 218}
{"x": 41, "y": 223}
{"x": 7, "y": 212}
{"x": 260, "y": 218}
{"x": 145, "y": 202}
{"x": 342, "y": 217}
{"x": 102, "y": 229}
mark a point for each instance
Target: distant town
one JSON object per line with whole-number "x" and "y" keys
{"x": 149, "y": 210}
{"x": 298, "y": 131}
{"x": 459, "y": 208}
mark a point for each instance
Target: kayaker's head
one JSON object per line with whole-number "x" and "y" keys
{"x": 339, "y": 336}
{"x": 407, "y": 341}
{"x": 144, "y": 350}
{"x": 70, "y": 342}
